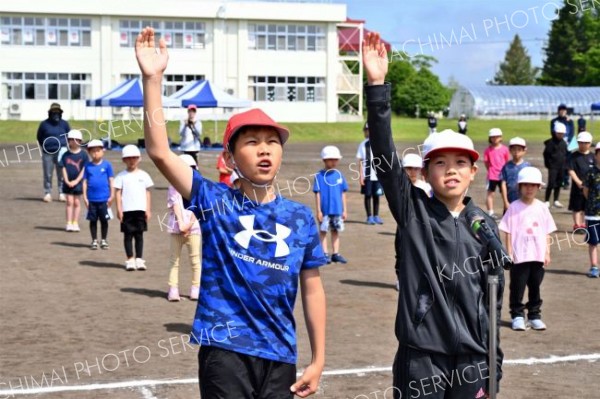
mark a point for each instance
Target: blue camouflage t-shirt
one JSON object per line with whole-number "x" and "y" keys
{"x": 509, "y": 174}
{"x": 252, "y": 255}
{"x": 331, "y": 185}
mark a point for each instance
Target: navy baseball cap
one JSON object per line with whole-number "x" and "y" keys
{"x": 562, "y": 106}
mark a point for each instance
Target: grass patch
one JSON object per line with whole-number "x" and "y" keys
{"x": 405, "y": 129}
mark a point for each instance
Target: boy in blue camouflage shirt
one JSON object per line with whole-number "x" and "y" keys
{"x": 257, "y": 247}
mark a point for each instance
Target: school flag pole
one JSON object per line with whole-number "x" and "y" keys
{"x": 493, "y": 335}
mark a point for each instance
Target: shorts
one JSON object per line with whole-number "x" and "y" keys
{"x": 97, "y": 211}
{"x": 576, "y": 199}
{"x": 134, "y": 222}
{"x": 371, "y": 188}
{"x": 224, "y": 374}
{"x": 332, "y": 223}
{"x": 77, "y": 190}
{"x": 492, "y": 185}
{"x": 593, "y": 232}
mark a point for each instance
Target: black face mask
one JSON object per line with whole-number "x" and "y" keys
{"x": 55, "y": 116}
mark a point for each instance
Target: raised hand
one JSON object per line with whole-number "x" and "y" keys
{"x": 375, "y": 59}
{"x": 152, "y": 63}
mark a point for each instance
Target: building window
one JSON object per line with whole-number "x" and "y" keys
{"x": 286, "y": 37}
{"x": 37, "y": 31}
{"x": 177, "y": 34}
{"x": 286, "y": 88}
{"x": 47, "y": 86}
{"x": 171, "y": 83}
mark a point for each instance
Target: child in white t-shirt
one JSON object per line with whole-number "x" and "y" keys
{"x": 527, "y": 225}
{"x": 133, "y": 206}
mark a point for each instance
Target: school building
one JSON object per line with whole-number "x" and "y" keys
{"x": 288, "y": 57}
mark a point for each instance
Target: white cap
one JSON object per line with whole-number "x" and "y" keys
{"x": 233, "y": 177}
{"x": 448, "y": 140}
{"x": 517, "y": 141}
{"x": 331, "y": 152}
{"x": 598, "y": 146}
{"x": 74, "y": 134}
{"x": 560, "y": 127}
{"x": 529, "y": 174}
{"x": 130, "y": 150}
{"x": 412, "y": 161}
{"x": 188, "y": 159}
{"x": 495, "y": 132}
{"x": 584, "y": 137}
{"x": 95, "y": 143}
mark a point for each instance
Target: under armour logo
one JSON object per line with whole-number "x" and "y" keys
{"x": 282, "y": 232}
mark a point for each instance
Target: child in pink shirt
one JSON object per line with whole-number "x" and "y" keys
{"x": 185, "y": 230}
{"x": 494, "y": 157}
{"x": 527, "y": 224}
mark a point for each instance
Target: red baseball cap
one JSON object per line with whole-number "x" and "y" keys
{"x": 191, "y": 106}
{"x": 253, "y": 117}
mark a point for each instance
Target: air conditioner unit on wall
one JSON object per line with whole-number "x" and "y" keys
{"x": 14, "y": 109}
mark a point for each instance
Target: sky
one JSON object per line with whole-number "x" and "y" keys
{"x": 469, "y": 38}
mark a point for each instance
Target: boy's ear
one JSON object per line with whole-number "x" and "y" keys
{"x": 424, "y": 174}
{"x": 474, "y": 169}
{"x": 229, "y": 159}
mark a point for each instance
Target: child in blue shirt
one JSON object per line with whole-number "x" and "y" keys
{"x": 510, "y": 171}
{"x": 330, "y": 188}
{"x": 98, "y": 192}
{"x": 257, "y": 250}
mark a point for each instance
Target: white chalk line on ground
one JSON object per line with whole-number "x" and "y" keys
{"x": 142, "y": 384}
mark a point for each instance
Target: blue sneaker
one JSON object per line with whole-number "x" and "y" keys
{"x": 594, "y": 272}
{"x": 337, "y": 258}
{"x": 377, "y": 220}
{"x": 371, "y": 220}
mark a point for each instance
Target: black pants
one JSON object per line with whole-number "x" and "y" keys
{"x": 225, "y": 374}
{"x": 103, "y": 228}
{"x": 555, "y": 179}
{"x": 530, "y": 275}
{"x": 133, "y": 226}
{"x": 128, "y": 239}
{"x": 426, "y": 375}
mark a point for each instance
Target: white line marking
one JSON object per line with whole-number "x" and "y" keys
{"x": 147, "y": 394}
{"x": 367, "y": 370}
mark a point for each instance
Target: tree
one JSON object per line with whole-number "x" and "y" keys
{"x": 573, "y": 48}
{"x": 516, "y": 68}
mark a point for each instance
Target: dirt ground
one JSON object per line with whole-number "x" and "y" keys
{"x": 73, "y": 318}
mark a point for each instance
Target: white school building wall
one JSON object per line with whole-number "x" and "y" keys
{"x": 67, "y": 51}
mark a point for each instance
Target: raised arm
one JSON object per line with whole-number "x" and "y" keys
{"x": 152, "y": 63}
{"x": 396, "y": 184}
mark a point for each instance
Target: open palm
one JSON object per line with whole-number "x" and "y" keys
{"x": 375, "y": 58}
{"x": 151, "y": 62}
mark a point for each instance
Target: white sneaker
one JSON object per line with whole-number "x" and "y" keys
{"x": 69, "y": 227}
{"x": 75, "y": 227}
{"x": 62, "y": 197}
{"x": 47, "y": 198}
{"x": 130, "y": 265}
{"x": 537, "y": 324}
{"x": 518, "y": 324}
{"x": 558, "y": 204}
{"x": 547, "y": 204}
{"x": 140, "y": 264}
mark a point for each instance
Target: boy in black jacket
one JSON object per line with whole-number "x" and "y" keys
{"x": 442, "y": 320}
{"x": 555, "y": 158}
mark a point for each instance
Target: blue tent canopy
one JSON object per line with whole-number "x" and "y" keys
{"x": 203, "y": 95}
{"x": 596, "y": 106}
{"x": 127, "y": 94}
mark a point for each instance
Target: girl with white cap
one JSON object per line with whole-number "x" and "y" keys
{"x": 527, "y": 225}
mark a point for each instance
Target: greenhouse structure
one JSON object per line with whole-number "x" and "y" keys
{"x": 521, "y": 102}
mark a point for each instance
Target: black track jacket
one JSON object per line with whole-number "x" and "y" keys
{"x": 442, "y": 303}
